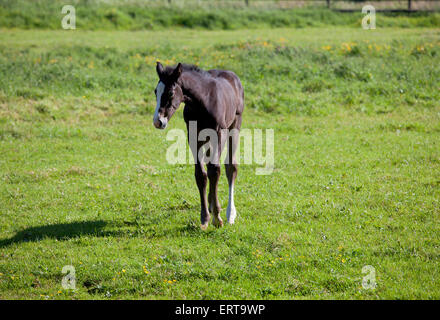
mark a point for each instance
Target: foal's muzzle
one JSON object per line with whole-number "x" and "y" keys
{"x": 161, "y": 123}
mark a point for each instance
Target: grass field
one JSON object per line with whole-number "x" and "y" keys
{"x": 84, "y": 180}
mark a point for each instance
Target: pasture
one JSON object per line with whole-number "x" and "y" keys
{"x": 84, "y": 180}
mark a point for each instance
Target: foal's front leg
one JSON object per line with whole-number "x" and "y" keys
{"x": 201, "y": 179}
{"x": 216, "y": 148}
{"x": 214, "y": 204}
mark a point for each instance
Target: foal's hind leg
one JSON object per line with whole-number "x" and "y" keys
{"x": 231, "y": 171}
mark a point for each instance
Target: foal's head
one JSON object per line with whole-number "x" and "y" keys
{"x": 169, "y": 94}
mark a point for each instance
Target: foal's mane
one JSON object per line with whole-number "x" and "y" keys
{"x": 186, "y": 67}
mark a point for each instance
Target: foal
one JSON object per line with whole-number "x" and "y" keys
{"x": 213, "y": 100}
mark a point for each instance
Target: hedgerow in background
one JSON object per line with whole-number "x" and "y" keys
{"x": 138, "y": 15}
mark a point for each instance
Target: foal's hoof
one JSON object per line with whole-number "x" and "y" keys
{"x": 231, "y": 214}
{"x": 204, "y": 226}
{"x": 217, "y": 222}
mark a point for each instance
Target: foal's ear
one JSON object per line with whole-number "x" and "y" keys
{"x": 177, "y": 72}
{"x": 159, "y": 69}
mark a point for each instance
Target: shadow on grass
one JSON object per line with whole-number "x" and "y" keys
{"x": 59, "y": 231}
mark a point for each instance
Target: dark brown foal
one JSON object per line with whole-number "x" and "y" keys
{"x": 214, "y": 102}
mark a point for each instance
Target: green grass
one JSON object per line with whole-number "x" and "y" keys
{"x": 84, "y": 180}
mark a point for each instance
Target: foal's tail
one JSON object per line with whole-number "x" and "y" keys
{"x": 239, "y": 87}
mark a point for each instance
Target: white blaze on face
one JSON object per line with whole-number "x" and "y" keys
{"x": 159, "y": 91}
